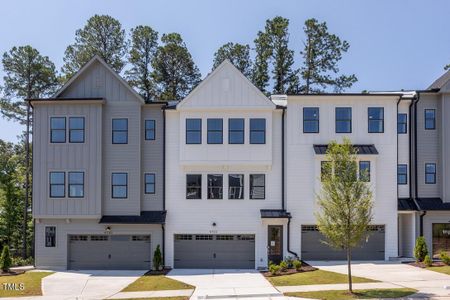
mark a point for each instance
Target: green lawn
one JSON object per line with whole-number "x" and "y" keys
{"x": 31, "y": 284}
{"x": 314, "y": 277}
{"x": 358, "y": 294}
{"x": 156, "y": 283}
{"x": 163, "y": 298}
{"x": 443, "y": 269}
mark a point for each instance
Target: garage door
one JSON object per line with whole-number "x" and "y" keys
{"x": 314, "y": 249}
{"x": 109, "y": 252}
{"x": 214, "y": 251}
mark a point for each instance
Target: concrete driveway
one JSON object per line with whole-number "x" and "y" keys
{"x": 430, "y": 284}
{"x": 226, "y": 284}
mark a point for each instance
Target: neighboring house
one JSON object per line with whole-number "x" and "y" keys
{"x": 236, "y": 172}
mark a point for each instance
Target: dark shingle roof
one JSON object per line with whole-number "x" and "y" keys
{"x": 432, "y": 204}
{"x": 406, "y": 204}
{"x": 441, "y": 81}
{"x": 275, "y": 213}
{"x": 362, "y": 149}
{"x": 146, "y": 217}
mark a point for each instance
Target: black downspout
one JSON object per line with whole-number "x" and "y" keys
{"x": 416, "y": 186}
{"x": 164, "y": 185}
{"x": 288, "y": 238}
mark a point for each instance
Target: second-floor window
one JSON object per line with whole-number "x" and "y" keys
{"x": 193, "y": 186}
{"x": 120, "y": 131}
{"x": 235, "y": 131}
{"x": 76, "y": 129}
{"x": 343, "y": 119}
{"x": 402, "y": 174}
{"x": 215, "y": 186}
{"x": 376, "y": 119}
{"x": 257, "y": 131}
{"x": 76, "y": 184}
{"x": 236, "y": 186}
{"x": 58, "y": 130}
{"x": 150, "y": 129}
{"x": 50, "y": 236}
{"x": 257, "y": 186}
{"x": 57, "y": 184}
{"x": 430, "y": 119}
{"x": 310, "y": 119}
{"x": 193, "y": 131}
{"x": 430, "y": 173}
{"x": 119, "y": 185}
{"x": 402, "y": 123}
{"x": 215, "y": 131}
{"x": 364, "y": 171}
{"x": 149, "y": 183}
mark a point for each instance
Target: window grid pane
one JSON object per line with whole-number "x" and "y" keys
{"x": 120, "y": 131}
{"x": 150, "y": 183}
{"x": 119, "y": 185}
{"x": 58, "y": 130}
{"x": 235, "y": 186}
{"x": 257, "y": 131}
{"x": 257, "y": 186}
{"x": 57, "y": 184}
{"x": 430, "y": 119}
{"x": 343, "y": 119}
{"x": 193, "y": 186}
{"x": 76, "y": 184}
{"x": 193, "y": 131}
{"x": 310, "y": 120}
{"x": 150, "y": 126}
{"x": 430, "y": 173}
{"x": 236, "y": 131}
{"x": 215, "y": 131}
{"x": 402, "y": 174}
{"x": 215, "y": 186}
{"x": 376, "y": 119}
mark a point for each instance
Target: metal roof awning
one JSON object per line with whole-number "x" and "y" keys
{"x": 360, "y": 148}
{"x": 146, "y": 217}
{"x": 275, "y": 213}
{"x": 432, "y": 204}
{"x": 406, "y": 204}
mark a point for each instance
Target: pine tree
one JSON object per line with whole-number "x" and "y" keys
{"x": 260, "y": 73}
{"x": 447, "y": 67}
{"x": 238, "y": 54}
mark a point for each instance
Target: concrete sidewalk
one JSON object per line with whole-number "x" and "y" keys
{"x": 343, "y": 286}
{"x": 152, "y": 294}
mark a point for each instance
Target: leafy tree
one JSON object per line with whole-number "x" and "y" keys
{"x": 238, "y": 54}
{"x": 321, "y": 54}
{"x": 103, "y": 36}
{"x": 345, "y": 202}
{"x": 28, "y": 75}
{"x": 5, "y": 259}
{"x": 144, "y": 42}
{"x": 260, "y": 72}
{"x": 174, "y": 70}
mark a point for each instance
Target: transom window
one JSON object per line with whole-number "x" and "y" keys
{"x": 257, "y": 186}
{"x": 57, "y": 184}
{"x": 402, "y": 123}
{"x": 215, "y": 131}
{"x": 193, "y": 131}
{"x": 76, "y": 184}
{"x": 257, "y": 131}
{"x": 364, "y": 171}
{"x": 376, "y": 119}
{"x": 120, "y": 131}
{"x": 310, "y": 119}
{"x": 236, "y": 186}
{"x": 430, "y": 173}
{"x": 430, "y": 119}
{"x": 58, "y": 130}
{"x": 194, "y": 186}
{"x": 235, "y": 131}
{"x": 50, "y": 236}
{"x": 76, "y": 129}
{"x": 343, "y": 119}
{"x": 215, "y": 186}
{"x": 149, "y": 183}
{"x": 119, "y": 185}
{"x": 402, "y": 174}
{"x": 150, "y": 132}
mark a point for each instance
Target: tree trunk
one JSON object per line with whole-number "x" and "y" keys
{"x": 349, "y": 267}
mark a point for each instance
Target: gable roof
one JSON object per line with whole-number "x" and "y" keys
{"x": 97, "y": 58}
{"x": 441, "y": 81}
{"x": 225, "y": 64}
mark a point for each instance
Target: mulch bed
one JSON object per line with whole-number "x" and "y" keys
{"x": 423, "y": 266}
{"x": 11, "y": 273}
{"x": 155, "y": 273}
{"x": 305, "y": 268}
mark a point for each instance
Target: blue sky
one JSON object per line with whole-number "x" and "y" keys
{"x": 394, "y": 44}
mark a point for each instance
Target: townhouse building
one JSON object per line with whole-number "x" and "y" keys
{"x": 227, "y": 177}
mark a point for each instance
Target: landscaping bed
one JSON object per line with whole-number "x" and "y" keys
{"x": 304, "y": 268}
{"x": 357, "y": 294}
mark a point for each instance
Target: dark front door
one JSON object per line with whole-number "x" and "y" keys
{"x": 275, "y": 243}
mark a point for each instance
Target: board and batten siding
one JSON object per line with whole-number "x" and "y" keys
{"x": 403, "y": 149}
{"x": 67, "y": 157}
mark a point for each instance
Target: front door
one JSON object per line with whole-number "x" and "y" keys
{"x": 275, "y": 243}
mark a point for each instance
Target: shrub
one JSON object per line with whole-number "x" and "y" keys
{"x": 5, "y": 259}
{"x": 289, "y": 260}
{"x": 283, "y": 266}
{"x": 421, "y": 249}
{"x": 18, "y": 261}
{"x": 157, "y": 259}
{"x": 428, "y": 261}
{"x": 274, "y": 269}
{"x": 297, "y": 264}
{"x": 445, "y": 258}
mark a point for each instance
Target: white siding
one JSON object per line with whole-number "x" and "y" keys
{"x": 403, "y": 149}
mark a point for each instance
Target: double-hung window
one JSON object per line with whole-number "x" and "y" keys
{"x": 430, "y": 119}
{"x": 193, "y": 131}
{"x": 193, "y": 186}
{"x": 215, "y": 131}
{"x": 311, "y": 120}
{"x": 430, "y": 173}
{"x": 57, "y": 129}
{"x": 57, "y": 184}
{"x": 149, "y": 183}
{"x": 402, "y": 123}
{"x": 119, "y": 185}
{"x": 402, "y": 174}
{"x": 236, "y": 186}
{"x": 257, "y": 131}
{"x": 364, "y": 171}
{"x": 76, "y": 129}
{"x": 343, "y": 119}
{"x": 235, "y": 131}
{"x": 150, "y": 130}
{"x": 376, "y": 119}
{"x": 215, "y": 186}
{"x": 50, "y": 236}
{"x": 257, "y": 186}
{"x": 120, "y": 131}
{"x": 76, "y": 184}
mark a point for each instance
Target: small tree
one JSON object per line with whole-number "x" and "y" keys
{"x": 420, "y": 249}
{"x": 345, "y": 202}
{"x": 5, "y": 259}
{"x": 157, "y": 258}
